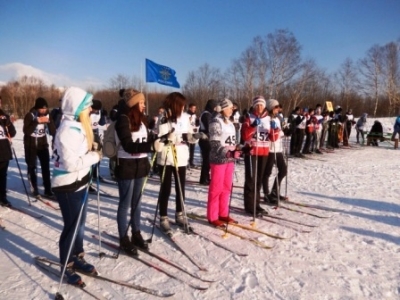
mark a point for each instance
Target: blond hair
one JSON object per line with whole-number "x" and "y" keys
{"x": 87, "y": 127}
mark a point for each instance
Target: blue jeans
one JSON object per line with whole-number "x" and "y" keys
{"x": 70, "y": 205}
{"x": 129, "y": 197}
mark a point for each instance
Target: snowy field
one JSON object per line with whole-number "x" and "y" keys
{"x": 350, "y": 251}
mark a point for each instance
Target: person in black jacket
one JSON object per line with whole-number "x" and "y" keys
{"x": 132, "y": 167}
{"x": 7, "y": 131}
{"x": 205, "y": 148}
{"x": 37, "y": 124}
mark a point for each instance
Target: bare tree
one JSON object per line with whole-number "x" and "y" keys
{"x": 119, "y": 82}
{"x": 297, "y": 89}
{"x": 204, "y": 84}
{"x": 371, "y": 69}
{"x": 347, "y": 82}
{"x": 284, "y": 61}
{"x": 391, "y": 75}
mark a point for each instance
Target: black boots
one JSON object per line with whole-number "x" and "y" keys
{"x": 138, "y": 241}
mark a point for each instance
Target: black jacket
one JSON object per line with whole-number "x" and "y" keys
{"x": 30, "y": 124}
{"x": 131, "y": 168}
{"x": 8, "y": 129}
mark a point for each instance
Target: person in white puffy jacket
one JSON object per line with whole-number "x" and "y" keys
{"x": 175, "y": 125}
{"x": 73, "y": 159}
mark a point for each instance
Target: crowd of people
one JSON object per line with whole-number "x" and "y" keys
{"x": 164, "y": 145}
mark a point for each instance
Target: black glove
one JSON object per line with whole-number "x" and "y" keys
{"x": 246, "y": 149}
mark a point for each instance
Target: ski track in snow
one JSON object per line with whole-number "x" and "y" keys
{"x": 354, "y": 255}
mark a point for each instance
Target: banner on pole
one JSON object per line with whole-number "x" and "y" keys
{"x": 160, "y": 74}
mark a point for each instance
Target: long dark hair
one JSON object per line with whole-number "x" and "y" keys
{"x": 174, "y": 104}
{"x": 136, "y": 117}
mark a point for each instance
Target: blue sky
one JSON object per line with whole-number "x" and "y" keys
{"x": 88, "y": 42}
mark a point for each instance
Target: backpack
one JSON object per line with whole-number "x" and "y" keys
{"x": 110, "y": 147}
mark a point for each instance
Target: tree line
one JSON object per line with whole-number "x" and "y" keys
{"x": 272, "y": 65}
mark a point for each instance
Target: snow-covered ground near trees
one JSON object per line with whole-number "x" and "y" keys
{"x": 352, "y": 254}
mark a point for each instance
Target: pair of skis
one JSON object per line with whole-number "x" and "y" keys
{"x": 55, "y": 267}
{"x": 158, "y": 267}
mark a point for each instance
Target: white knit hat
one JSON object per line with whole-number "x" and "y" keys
{"x": 271, "y": 104}
{"x": 224, "y": 104}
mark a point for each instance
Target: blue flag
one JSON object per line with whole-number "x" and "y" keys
{"x": 160, "y": 74}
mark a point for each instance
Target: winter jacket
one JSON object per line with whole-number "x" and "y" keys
{"x": 396, "y": 126}
{"x": 222, "y": 139}
{"x": 7, "y": 130}
{"x": 35, "y": 134}
{"x": 361, "y": 122}
{"x": 257, "y": 137}
{"x": 207, "y": 115}
{"x": 72, "y": 158}
{"x": 180, "y": 140}
{"x": 132, "y": 153}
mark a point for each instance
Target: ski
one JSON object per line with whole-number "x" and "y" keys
{"x": 26, "y": 212}
{"x": 163, "y": 259}
{"x": 313, "y": 206}
{"x": 178, "y": 246}
{"x": 116, "y": 281}
{"x": 48, "y": 203}
{"x": 46, "y": 265}
{"x": 245, "y": 227}
{"x": 291, "y": 226}
{"x": 154, "y": 266}
{"x": 216, "y": 243}
{"x": 255, "y": 242}
{"x": 276, "y": 217}
{"x": 303, "y": 212}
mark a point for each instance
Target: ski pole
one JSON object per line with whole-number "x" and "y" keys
{"x": 19, "y": 169}
{"x": 158, "y": 200}
{"x": 85, "y": 197}
{"x": 101, "y": 254}
{"x": 178, "y": 182}
{"x": 253, "y": 223}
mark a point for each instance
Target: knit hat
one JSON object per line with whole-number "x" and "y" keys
{"x": 40, "y": 103}
{"x": 259, "y": 100}
{"x": 132, "y": 97}
{"x": 271, "y": 103}
{"x": 226, "y": 103}
{"x": 96, "y": 104}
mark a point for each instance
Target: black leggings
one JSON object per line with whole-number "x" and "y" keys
{"x": 165, "y": 189}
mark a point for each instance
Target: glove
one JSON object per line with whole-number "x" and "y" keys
{"x": 233, "y": 154}
{"x": 274, "y": 125}
{"x": 96, "y": 147}
{"x": 169, "y": 136}
{"x": 4, "y": 121}
{"x": 246, "y": 149}
{"x": 256, "y": 122}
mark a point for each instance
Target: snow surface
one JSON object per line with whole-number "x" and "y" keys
{"x": 354, "y": 254}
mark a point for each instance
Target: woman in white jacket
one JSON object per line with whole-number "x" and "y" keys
{"x": 175, "y": 124}
{"x": 74, "y": 157}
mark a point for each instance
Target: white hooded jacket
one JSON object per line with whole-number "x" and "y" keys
{"x": 72, "y": 158}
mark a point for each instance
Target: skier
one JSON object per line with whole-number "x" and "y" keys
{"x": 7, "y": 131}
{"x": 97, "y": 119}
{"x": 348, "y": 123}
{"x": 275, "y": 155}
{"x": 173, "y": 157}
{"x": 37, "y": 124}
{"x": 75, "y": 154}
{"x": 360, "y": 127}
{"x": 204, "y": 144}
{"x": 222, "y": 156}
{"x": 255, "y": 129}
{"x": 132, "y": 168}
{"x": 194, "y": 124}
